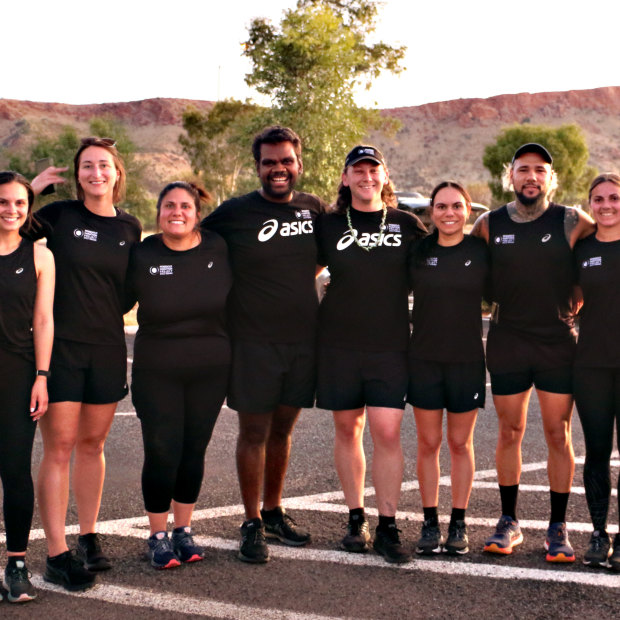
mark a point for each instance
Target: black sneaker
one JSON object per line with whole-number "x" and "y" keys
{"x": 185, "y": 547}
{"x": 387, "y": 543}
{"x": 67, "y": 571}
{"x": 430, "y": 539}
{"x": 89, "y": 551}
{"x": 284, "y": 528}
{"x": 614, "y": 558}
{"x": 17, "y": 583}
{"x": 357, "y": 537}
{"x": 160, "y": 552}
{"x": 599, "y": 549}
{"x": 253, "y": 547}
{"x": 457, "y": 542}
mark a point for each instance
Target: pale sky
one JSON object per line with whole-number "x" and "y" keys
{"x": 74, "y": 51}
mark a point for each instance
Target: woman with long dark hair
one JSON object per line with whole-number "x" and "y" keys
{"x": 448, "y": 271}
{"x": 181, "y": 278}
{"x": 26, "y": 334}
{"x": 91, "y": 239}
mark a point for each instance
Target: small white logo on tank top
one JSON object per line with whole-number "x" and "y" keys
{"x": 468, "y": 262}
{"x": 19, "y": 270}
{"x": 546, "y": 238}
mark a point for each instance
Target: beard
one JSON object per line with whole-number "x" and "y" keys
{"x": 530, "y": 201}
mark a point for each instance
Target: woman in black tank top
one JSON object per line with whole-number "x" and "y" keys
{"x": 26, "y": 334}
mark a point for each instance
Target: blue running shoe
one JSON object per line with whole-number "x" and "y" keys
{"x": 556, "y": 544}
{"x": 507, "y": 535}
{"x": 184, "y": 546}
{"x": 160, "y": 551}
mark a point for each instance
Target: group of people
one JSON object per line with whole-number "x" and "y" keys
{"x": 228, "y": 309}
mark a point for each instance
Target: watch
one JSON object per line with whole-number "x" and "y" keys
{"x": 43, "y": 373}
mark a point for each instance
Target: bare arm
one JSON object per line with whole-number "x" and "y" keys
{"x": 42, "y": 327}
{"x": 577, "y": 225}
{"x": 481, "y": 227}
{"x": 49, "y": 176}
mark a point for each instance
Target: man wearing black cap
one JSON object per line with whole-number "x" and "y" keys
{"x": 272, "y": 318}
{"x": 531, "y": 339}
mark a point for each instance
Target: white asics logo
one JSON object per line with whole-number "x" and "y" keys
{"x": 468, "y": 263}
{"x": 546, "y": 238}
{"x": 288, "y": 229}
{"x": 367, "y": 239}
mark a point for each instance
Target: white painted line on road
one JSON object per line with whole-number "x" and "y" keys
{"x": 176, "y": 603}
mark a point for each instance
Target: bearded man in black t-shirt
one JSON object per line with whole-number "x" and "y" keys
{"x": 272, "y": 320}
{"x": 531, "y": 340}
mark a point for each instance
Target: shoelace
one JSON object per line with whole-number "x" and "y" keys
{"x": 19, "y": 574}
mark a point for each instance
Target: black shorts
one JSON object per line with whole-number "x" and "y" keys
{"x": 87, "y": 373}
{"x": 517, "y": 363}
{"x": 352, "y": 379}
{"x": 457, "y": 387}
{"x": 265, "y": 375}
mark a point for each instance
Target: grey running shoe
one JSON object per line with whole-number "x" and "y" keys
{"x": 614, "y": 558}
{"x": 599, "y": 549}
{"x": 357, "y": 537}
{"x": 430, "y": 539}
{"x": 457, "y": 542}
{"x": 184, "y": 546}
{"x": 557, "y": 544}
{"x": 160, "y": 551}
{"x": 507, "y": 535}
{"x": 387, "y": 543}
{"x": 17, "y": 583}
{"x": 253, "y": 547}
{"x": 67, "y": 571}
{"x": 89, "y": 551}
{"x": 284, "y": 528}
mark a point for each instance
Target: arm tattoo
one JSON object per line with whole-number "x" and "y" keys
{"x": 571, "y": 219}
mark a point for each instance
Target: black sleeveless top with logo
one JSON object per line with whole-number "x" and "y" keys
{"x": 18, "y": 288}
{"x": 532, "y": 275}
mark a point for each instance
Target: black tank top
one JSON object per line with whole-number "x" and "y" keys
{"x": 18, "y": 287}
{"x": 532, "y": 275}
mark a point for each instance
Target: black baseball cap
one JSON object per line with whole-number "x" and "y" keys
{"x": 361, "y": 153}
{"x": 533, "y": 147}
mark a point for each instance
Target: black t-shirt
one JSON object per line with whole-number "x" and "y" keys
{"x": 598, "y": 272}
{"x": 182, "y": 303}
{"x": 532, "y": 274}
{"x": 448, "y": 287}
{"x": 91, "y": 254}
{"x": 18, "y": 289}
{"x": 365, "y": 307}
{"x": 273, "y": 256}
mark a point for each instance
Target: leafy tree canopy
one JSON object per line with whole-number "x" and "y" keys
{"x": 568, "y": 148}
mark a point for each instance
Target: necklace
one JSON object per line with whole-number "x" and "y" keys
{"x": 353, "y": 232}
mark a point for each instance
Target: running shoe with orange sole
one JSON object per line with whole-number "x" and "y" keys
{"x": 556, "y": 544}
{"x": 507, "y": 535}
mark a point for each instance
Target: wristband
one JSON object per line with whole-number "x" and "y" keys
{"x": 43, "y": 373}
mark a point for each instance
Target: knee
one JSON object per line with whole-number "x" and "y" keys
{"x": 459, "y": 447}
{"x": 429, "y": 445}
{"x": 59, "y": 450}
{"x": 349, "y": 433}
{"x": 558, "y": 436}
{"x": 510, "y": 434}
{"x": 253, "y": 434}
{"x": 90, "y": 447}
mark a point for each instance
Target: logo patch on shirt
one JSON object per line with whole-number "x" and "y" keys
{"x": 431, "y": 261}
{"x": 162, "y": 270}
{"x": 303, "y": 214}
{"x": 546, "y": 238}
{"x": 19, "y": 270}
{"x": 88, "y": 235}
{"x": 594, "y": 261}
{"x": 394, "y": 228}
{"x": 504, "y": 239}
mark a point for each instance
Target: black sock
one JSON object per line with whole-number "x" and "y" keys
{"x": 273, "y": 513}
{"x": 386, "y": 522}
{"x": 56, "y": 560}
{"x": 430, "y": 514}
{"x": 559, "y": 502}
{"x": 356, "y": 514}
{"x": 458, "y": 514}
{"x": 509, "y": 496}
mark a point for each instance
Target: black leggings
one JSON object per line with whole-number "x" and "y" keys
{"x": 597, "y": 395}
{"x": 16, "y": 438}
{"x": 178, "y": 409}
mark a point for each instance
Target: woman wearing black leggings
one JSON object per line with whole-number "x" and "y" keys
{"x": 597, "y": 365}
{"x": 181, "y": 278}
{"x": 26, "y": 334}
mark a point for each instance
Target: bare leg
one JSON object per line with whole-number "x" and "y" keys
{"x": 158, "y": 521}
{"x": 429, "y": 430}
{"x": 557, "y": 410}
{"x": 59, "y": 430}
{"x": 349, "y": 454}
{"x": 387, "y": 458}
{"x": 182, "y": 513}
{"x": 512, "y": 418}
{"x": 461, "y": 444}
{"x": 89, "y": 465}
{"x": 278, "y": 453}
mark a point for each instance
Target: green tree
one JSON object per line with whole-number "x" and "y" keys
{"x": 62, "y": 148}
{"x": 566, "y": 144}
{"x": 216, "y": 144}
{"x": 310, "y": 67}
